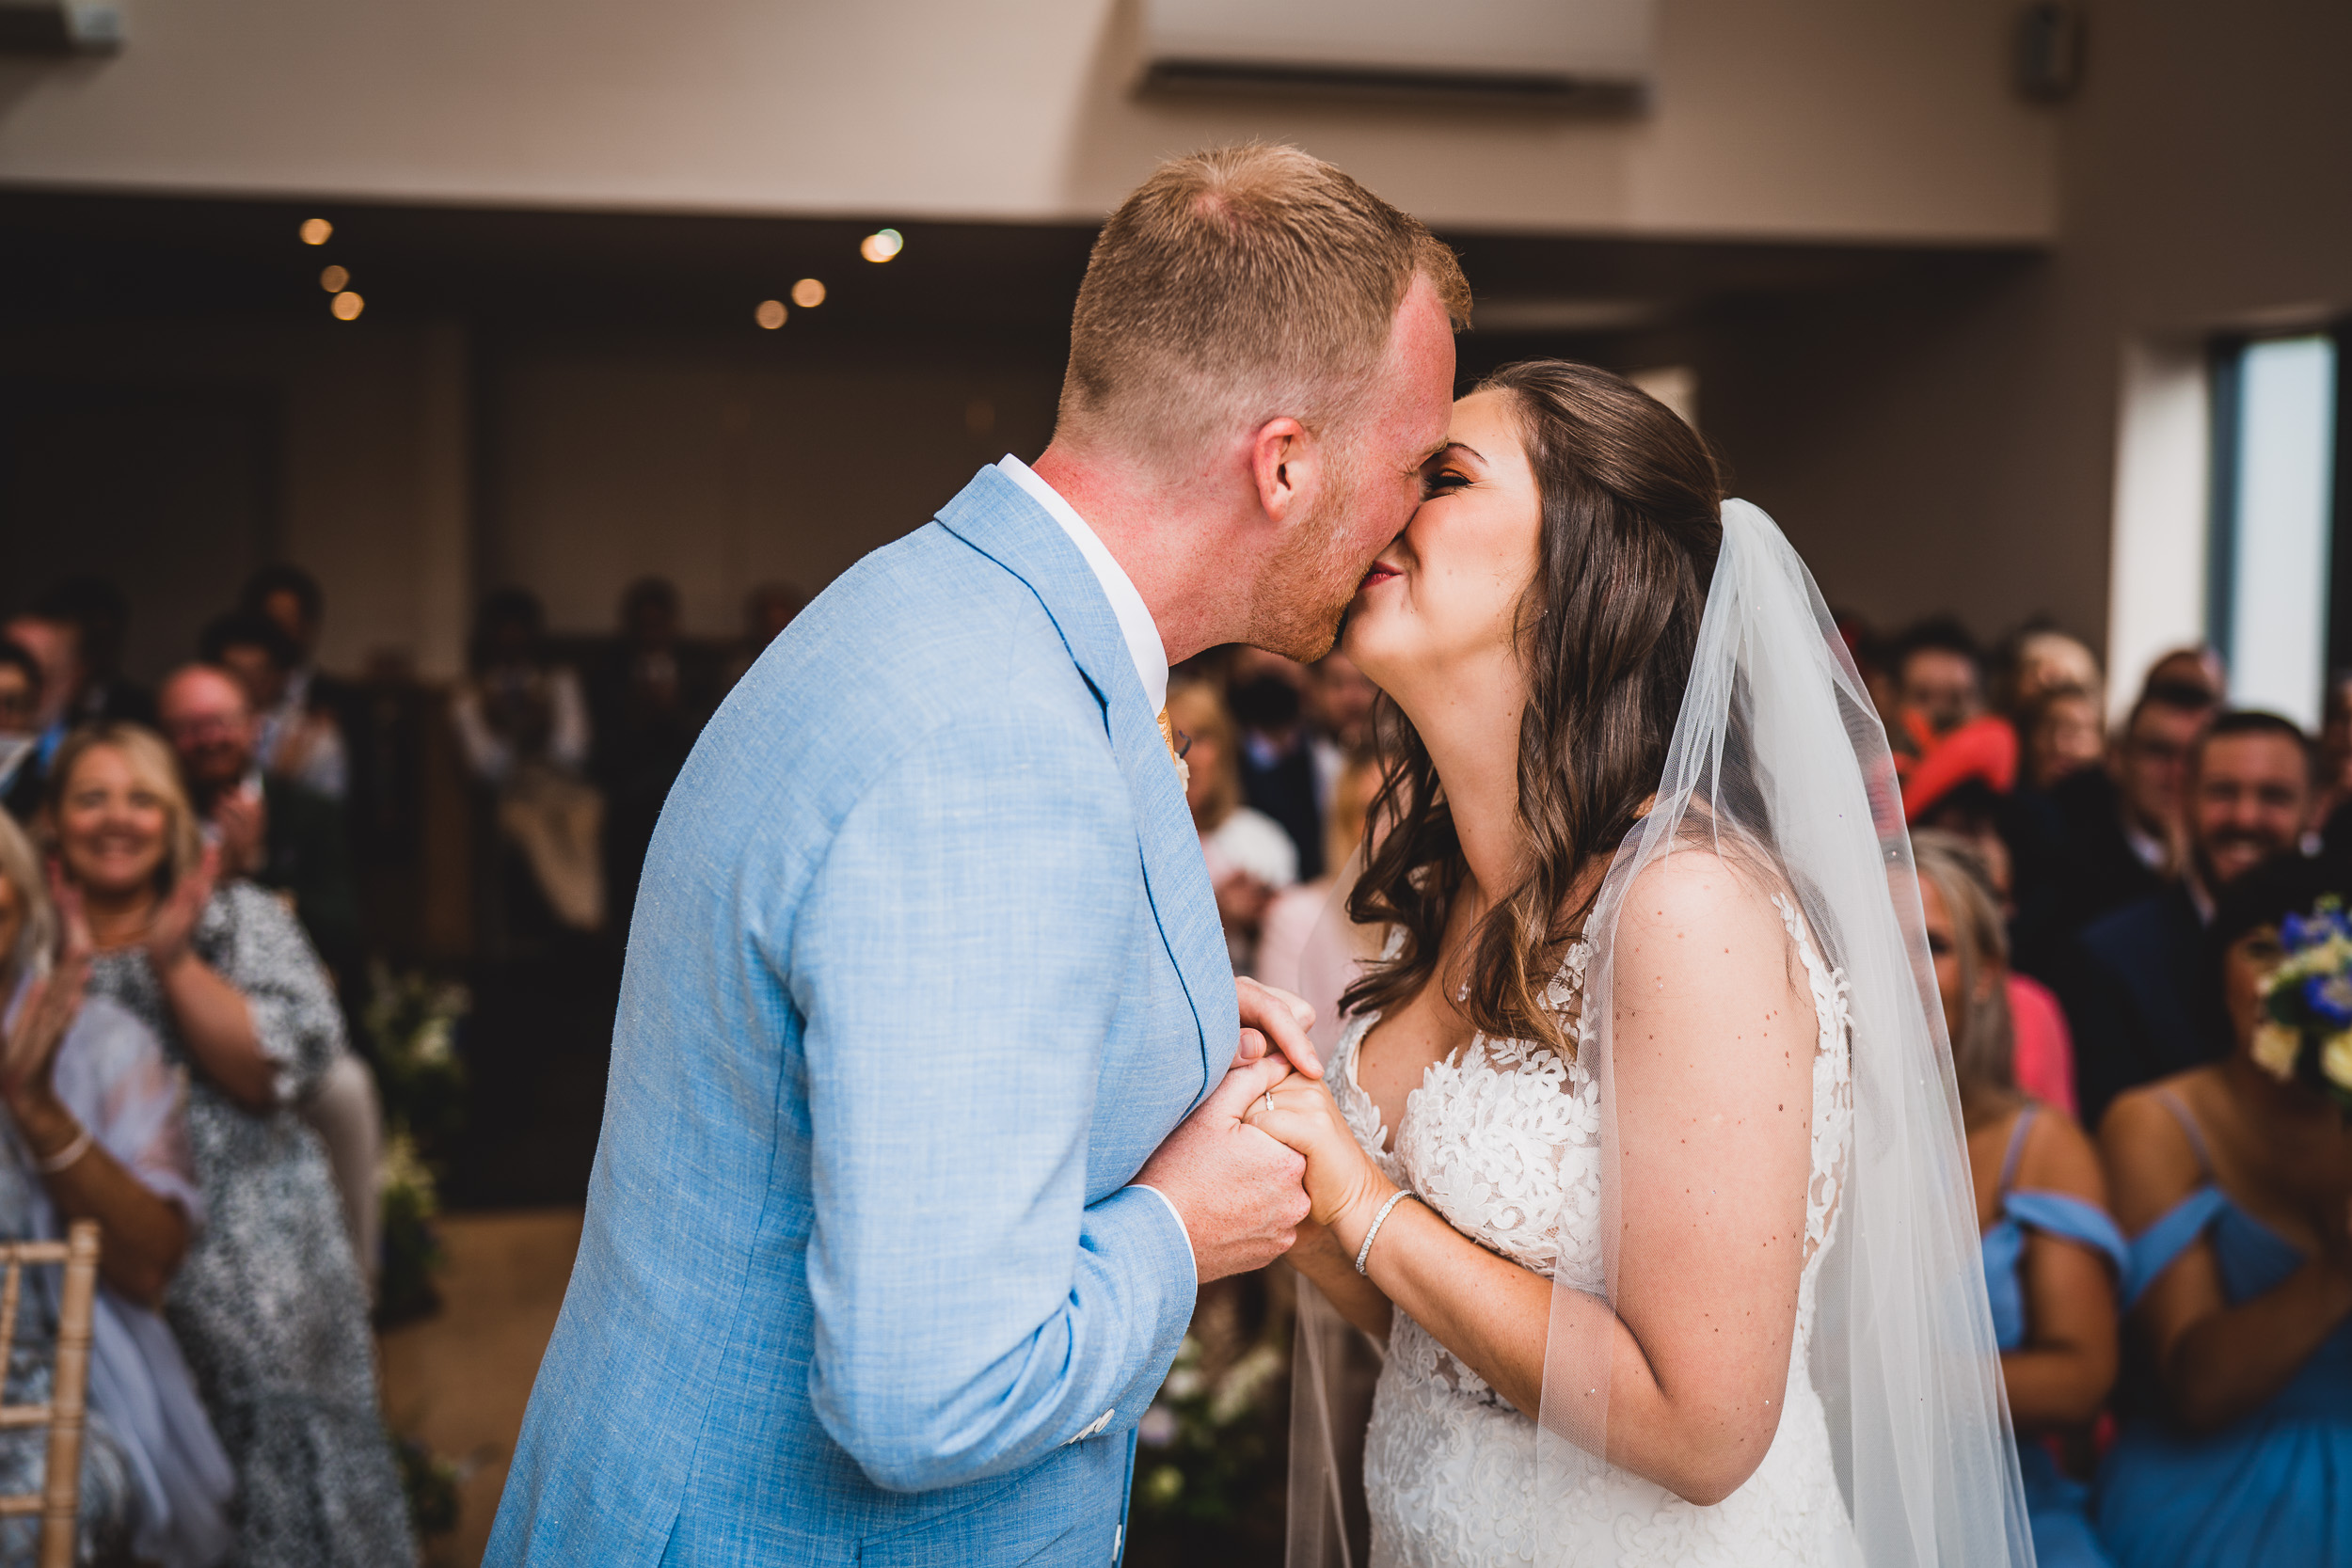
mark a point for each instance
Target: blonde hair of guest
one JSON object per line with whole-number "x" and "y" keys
{"x": 152, "y": 764}
{"x": 36, "y": 938}
{"x": 1985, "y": 1050}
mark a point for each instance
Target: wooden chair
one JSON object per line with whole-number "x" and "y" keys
{"x": 59, "y": 1497}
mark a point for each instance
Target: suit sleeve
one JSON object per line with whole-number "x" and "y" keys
{"x": 2106, "y": 1026}
{"x": 957, "y": 965}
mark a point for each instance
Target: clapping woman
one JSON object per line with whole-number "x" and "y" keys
{"x": 2052, "y": 1255}
{"x": 2237, "y": 1190}
{"x": 269, "y": 1305}
{"x": 94, "y": 1129}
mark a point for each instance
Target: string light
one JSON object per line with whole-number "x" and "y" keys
{"x": 882, "y": 245}
{"x": 333, "y": 279}
{"x": 769, "y": 314}
{"x": 317, "y": 230}
{"x": 808, "y": 294}
{"x": 347, "y": 305}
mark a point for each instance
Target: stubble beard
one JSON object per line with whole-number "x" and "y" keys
{"x": 1311, "y": 579}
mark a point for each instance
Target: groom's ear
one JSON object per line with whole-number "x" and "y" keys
{"x": 1287, "y": 465}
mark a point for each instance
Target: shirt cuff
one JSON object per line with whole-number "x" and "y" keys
{"x": 1171, "y": 1203}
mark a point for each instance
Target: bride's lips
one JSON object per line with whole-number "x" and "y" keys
{"x": 1380, "y": 573}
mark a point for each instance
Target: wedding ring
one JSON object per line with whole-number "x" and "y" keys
{"x": 1267, "y": 1100}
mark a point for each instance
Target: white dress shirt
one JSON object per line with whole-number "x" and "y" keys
{"x": 1135, "y": 620}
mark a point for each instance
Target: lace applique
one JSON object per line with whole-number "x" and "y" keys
{"x": 1502, "y": 1139}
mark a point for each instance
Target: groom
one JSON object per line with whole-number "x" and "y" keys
{"x": 919, "y": 1136}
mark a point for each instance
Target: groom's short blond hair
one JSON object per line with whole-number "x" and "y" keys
{"x": 1234, "y": 286}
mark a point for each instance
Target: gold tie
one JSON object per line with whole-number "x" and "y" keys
{"x": 1168, "y": 735}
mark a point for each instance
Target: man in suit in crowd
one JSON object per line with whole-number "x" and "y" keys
{"x": 2142, "y": 998}
{"x": 1277, "y": 758}
{"x": 919, "y": 1135}
{"x": 297, "y": 739}
{"x": 2123, "y": 824}
{"x": 271, "y": 830}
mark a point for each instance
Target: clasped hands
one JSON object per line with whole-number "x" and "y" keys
{"x": 1268, "y": 1152}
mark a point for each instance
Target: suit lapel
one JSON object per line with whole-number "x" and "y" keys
{"x": 997, "y": 518}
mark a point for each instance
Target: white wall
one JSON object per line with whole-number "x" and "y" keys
{"x": 1974, "y": 452}
{"x": 1849, "y": 119}
{"x": 2157, "y": 580}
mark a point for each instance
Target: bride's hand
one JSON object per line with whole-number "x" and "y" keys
{"x": 1342, "y": 1184}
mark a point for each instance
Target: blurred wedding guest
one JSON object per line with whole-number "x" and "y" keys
{"x": 1982, "y": 753}
{"x": 298, "y": 742}
{"x": 2060, "y": 729}
{"x": 100, "y": 616}
{"x": 646, "y": 704}
{"x": 20, "y": 731}
{"x": 1250, "y": 858}
{"x": 1290, "y": 917}
{"x": 523, "y": 727}
{"x": 284, "y": 837}
{"x": 2139, "y": 1002}
{"x": 96, "y": 1131}
{"x": 1340, "y": 700}
{"x": 53, "y": 644}
{"x": 269, "y": 1305}
{"x": 1265, "y": 694}
{"x": 2123, "y": 823}
{"x": 2053, "y": 1258}
{"x": 2197, "y": 668}
{"x": 276, "y": 832}
{"x": 293, "y": 598}
{"x": 2042, "y": 1048}
{"x": 2236, "y": 1188}
{"x": 768, "y": 609}
{"x": 2042, "y": 660}
{"x": 1939, "y": 676}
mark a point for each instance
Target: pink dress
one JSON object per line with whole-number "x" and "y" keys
{"x": 2045, "y": 1049}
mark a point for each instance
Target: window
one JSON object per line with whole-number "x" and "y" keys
{"x": 2272, "y": 516}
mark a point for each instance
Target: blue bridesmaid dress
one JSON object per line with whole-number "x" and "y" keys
{"x": 2273, "y": 1488}
{"x": 2056, "y": 1505}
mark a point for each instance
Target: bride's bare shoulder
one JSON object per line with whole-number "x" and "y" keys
{"x": 1702, "y": 886}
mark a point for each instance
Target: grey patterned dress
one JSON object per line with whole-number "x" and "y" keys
{"x": 270, "y": 1307}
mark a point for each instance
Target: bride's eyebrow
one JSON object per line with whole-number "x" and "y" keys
{"x": 1461, "y": 446}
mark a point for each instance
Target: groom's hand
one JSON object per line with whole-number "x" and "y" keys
{"x": 1268, "y": 1014}
{"x": 1239, "y": 1193}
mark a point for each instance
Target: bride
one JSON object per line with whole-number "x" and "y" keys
{"x": 1639, "y": 1149}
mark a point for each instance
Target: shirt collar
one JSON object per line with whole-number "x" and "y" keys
{"x": 1134, "y": 618}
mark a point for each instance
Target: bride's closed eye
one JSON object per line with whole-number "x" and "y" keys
{"x": 1443, "y": 480}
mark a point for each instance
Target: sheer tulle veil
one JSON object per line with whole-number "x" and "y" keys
{"x": 1779, "y": 764}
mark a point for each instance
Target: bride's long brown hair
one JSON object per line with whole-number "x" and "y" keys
{"x": 1630, "y": 528}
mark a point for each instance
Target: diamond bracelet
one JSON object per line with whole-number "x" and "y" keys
{"x": 1394, "y": 1199}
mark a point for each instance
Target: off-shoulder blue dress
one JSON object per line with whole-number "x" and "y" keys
{"x": 2057, "y": 1506}
{"x": 2273, "y": 1488}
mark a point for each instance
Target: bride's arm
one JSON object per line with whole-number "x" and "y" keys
{"x": 1712, "y": 1059}
{"x": 1318, "y": 1256}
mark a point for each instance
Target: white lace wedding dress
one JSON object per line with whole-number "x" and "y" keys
{"x": 1502, "y": 1140}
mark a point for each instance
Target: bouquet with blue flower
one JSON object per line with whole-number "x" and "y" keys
{"x": 2305, "y": 1028}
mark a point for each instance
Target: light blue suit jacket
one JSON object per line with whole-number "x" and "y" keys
{"x": 924, "y": 966}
